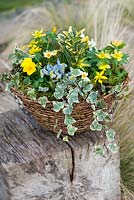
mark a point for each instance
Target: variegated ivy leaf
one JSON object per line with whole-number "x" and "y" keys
{"x": 9, "y": 86}
{"x": 69, "y": 120}
{"x": 100, "y": 115}
{"x": 93, "y": 106}
{"x": 62, "y": 85}
{"x": 82, "y": 83}
{"x": 32, "y": 93}
{"x": 73, "y": 96}
{"x": 110, "y": 135}
{"x": 42, "y": 101}
{"x": 95, "y": 126}
{"x": 59, "y": 93}
{"x": 57, "y": 106}
{"x": 99, "y": 150}
{"x": 73, "y": 99}
{"x": 92, "y": 97}
{"x": 43, "y": 89}
{"x": 118, "y": 88}
{"x": 65, "y": 139}
{"x": 68, "y": 110}
{"x": 88, "y": 88}
{"x": 75, "y": 72}
{"x": 71, "y": 130}
{"x": 113, "y": 147}
{"x": 59, "y": 133}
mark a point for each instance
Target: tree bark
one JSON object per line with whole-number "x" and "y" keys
{"x": 35, "y": 165}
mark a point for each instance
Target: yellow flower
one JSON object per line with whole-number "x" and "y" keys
{"x": 38, "y": 34}
{"x": 23, "y": 47}
{"x": 32, "y": 43}
{"x": 49, "y": 54}
{"x": 54, "y": 52}
{"x": 85, "y": 39}
{"x": 28, "y": 66}
{"x": 100, "y": 77}
{"x": 34, "y": 49}
{"x": 84, "y": 75}
{"x": 103, "y": 55}
{"x": 116, "y": 43}
{"x": 104, "y": 67}
{"x": 54, "y": 29}
{"x": 117, "y": 55}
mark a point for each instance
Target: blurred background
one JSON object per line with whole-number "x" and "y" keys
{"x": 104, "y": 20}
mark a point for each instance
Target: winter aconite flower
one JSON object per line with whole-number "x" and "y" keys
{"x": 49, "y": 54}
{"x": 38, "y": 34}
{"x": 103, "y": 55}
{"x": 117, "y": 55}
{"x": 117, "y": 43}
{"x": 100, "y": 77}
{"x": 28, "y": 66}
{"x": 84, "y": 75}
{"x": 32, "y": 43}
{"x": 54, "y": 29}
{"x": 104, "y": 66}
{"x": 34, "y": 49}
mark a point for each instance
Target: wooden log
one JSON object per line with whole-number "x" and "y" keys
{"x": 35, "y": 165}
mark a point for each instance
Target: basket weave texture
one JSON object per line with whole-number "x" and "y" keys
{"x": 54, "y": 121}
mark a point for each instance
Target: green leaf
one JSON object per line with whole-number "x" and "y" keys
{"x": 59, "y": 93}
{"x": 92, "y": 97}
{"x": 9, "y": 86}
{"x": 32, "y": 93}
{"x": 118, "y": 88}
{"x": 75, "y": 72}
{"x": 88, "y": 88}
{"x": 69, "y": 120}
{"x": 68, "y": 110}
{"x": 99, "y": 150}
{"x": 26, "y": 80}
{"x": 95, "y": 126}
{"x": 43, "y": 89}
{"x": 42, "y": 101}
{"x": 71, "y": 130}
{"x": 100, "y": 115}
{"x": 110, "y": 135}
{"x": 65, "y": 139}
{"x": 113, "y": 147}
{"x": 58, "y": 106}
{"x": 82, "y": 83}
{"x": 73, "y": 96}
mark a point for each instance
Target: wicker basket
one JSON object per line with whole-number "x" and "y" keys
{"x": 54, "y": 121}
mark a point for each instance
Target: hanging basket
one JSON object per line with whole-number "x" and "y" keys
{"x": 54, "y": 121}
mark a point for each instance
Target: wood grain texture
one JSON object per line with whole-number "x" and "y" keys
{"x": 35, "y": 165}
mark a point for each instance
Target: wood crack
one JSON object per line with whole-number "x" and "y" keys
{"x": 73, "y": 162}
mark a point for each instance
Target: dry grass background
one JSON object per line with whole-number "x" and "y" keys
{"x": 104, "y": 21}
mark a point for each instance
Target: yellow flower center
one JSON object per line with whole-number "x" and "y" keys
{"x": 84, "y": 75}
{"x": 28, "y": 66}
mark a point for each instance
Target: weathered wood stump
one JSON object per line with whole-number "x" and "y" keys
{"x": 35, "y": 165}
